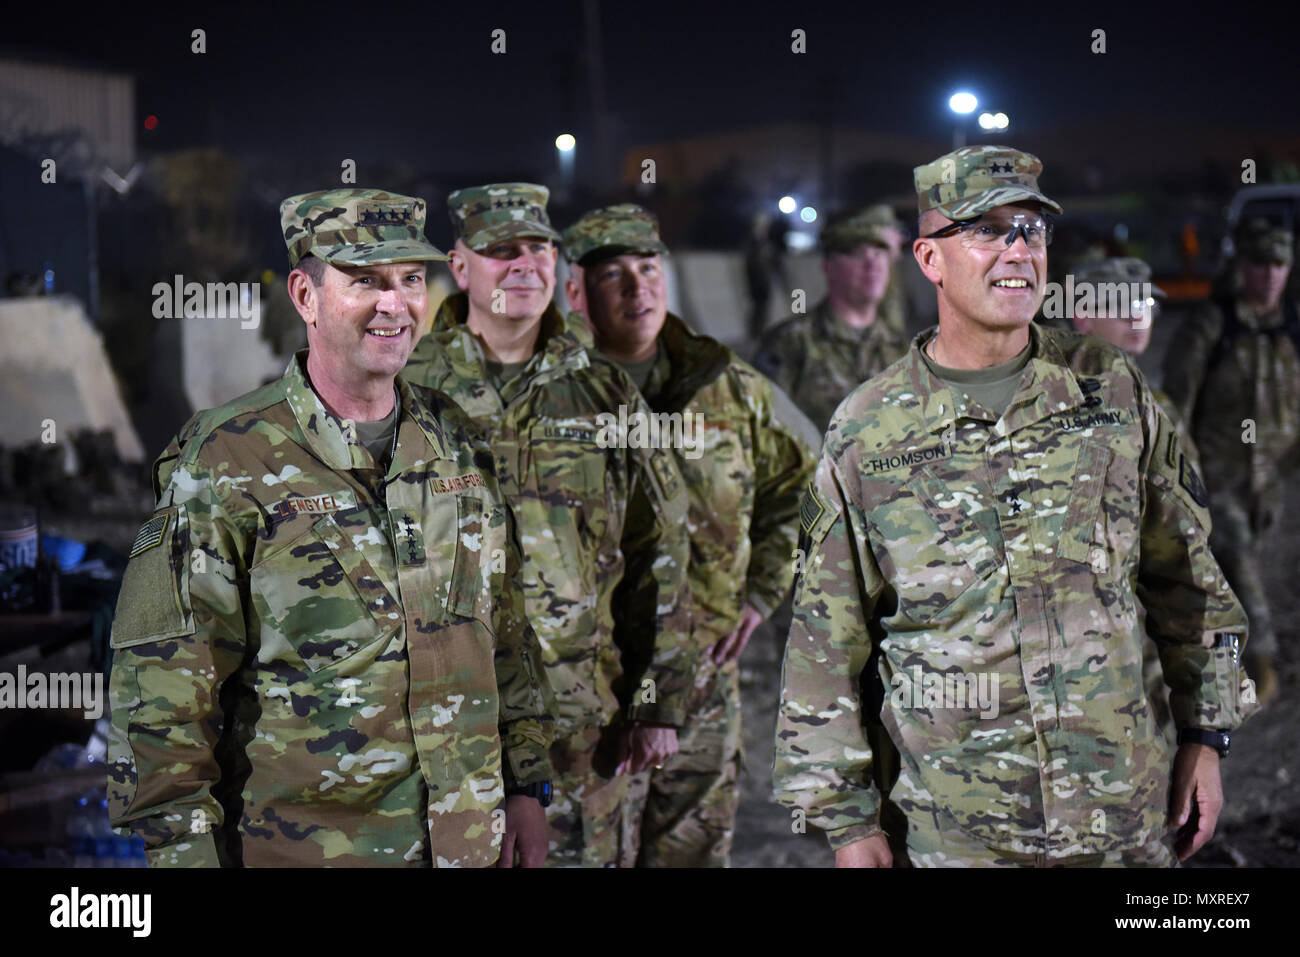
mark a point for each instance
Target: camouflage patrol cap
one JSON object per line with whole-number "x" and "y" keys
{"x": 1125, "y": 269}
{"x": 355, "y": 227}
{"x": 625, "y": 227}
{"x": 850, "y": 228}
{"x": 970, "y": 181}
{"x": 1262, "y": 242}
{"x": 482, "y": 215}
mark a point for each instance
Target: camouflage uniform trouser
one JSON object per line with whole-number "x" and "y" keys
{"x": 1238, "y": 543}
{"x": 685, "y": 814}
{"x": 584, "y": 824}
{"x": 935, "y": 840}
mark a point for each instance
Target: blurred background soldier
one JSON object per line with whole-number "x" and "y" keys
{"x": 856, "y": 330}
{"x": 305, "y": 599}
{"x": 744, "y": 473}
{"x": 1235, "y": 376}
{"x": 593, "y": 516}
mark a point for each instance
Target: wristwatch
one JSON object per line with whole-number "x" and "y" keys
{"x": 540, "y": 790}
{"x": 1218, "y": 740}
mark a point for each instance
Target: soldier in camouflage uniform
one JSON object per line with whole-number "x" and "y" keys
{"x": 321, "y": 655}
{"x": 605, "y": 547}
{"x": 990, "y": 514}
{"x": 1235, "y": 376}
{"x": 856, "y": 330}
{"x": 744, "y": 474}
{"x": 1122, "y": 310}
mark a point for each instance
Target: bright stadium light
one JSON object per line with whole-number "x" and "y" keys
{"x": 1001, "y": 121}
{"x": 786, "y": 204}
{"x": 808, "y": 214}
{"x": 987, "y": 121}
{"x": 565, "y": 142}
{"x": 962, "y": 102}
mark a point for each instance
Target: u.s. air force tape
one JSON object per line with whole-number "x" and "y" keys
{"x": 150, "y": 534}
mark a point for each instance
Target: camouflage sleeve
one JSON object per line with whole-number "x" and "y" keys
{"x": 780, "y": 358}
{"x": 822, "y": 767}
{"x": 178, "y": 635}
{"x": 1185, "y": 364}
{"x": 527, "y": 703}
{"x": 652, "y": 605}
{"x": 1198, "y": 624}
{"x": 783, "y": 465}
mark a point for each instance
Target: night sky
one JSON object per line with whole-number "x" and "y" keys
{"x": 418, "y": 81}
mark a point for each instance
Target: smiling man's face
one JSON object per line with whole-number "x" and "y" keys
{"x": 998, "y": 288}
{"x": 626, "y": 301}
{"x": 361, "y": 319}
{"x": 522, "y": 269}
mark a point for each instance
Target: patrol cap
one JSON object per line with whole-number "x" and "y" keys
{"x": 624, "y": 228}
{"x": 482, "y": 215}
{"x": 1125, "y": 269}
{"x": 848, "y": 229}
{"x": 356, "y": 227}
{"x": 1262, "y": 242}
{"x": 970, "y": 181}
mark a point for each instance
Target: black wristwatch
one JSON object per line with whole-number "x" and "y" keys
{"x": 1218, "y": 740}
{"x": 541, "y": 790}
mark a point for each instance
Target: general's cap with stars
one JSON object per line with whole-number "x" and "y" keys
{"x": 968, "y": 182}
{"x": 483, "y": 215}
{"x": 356, "y": 227}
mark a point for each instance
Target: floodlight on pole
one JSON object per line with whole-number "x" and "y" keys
{"x": 962, "y": 103}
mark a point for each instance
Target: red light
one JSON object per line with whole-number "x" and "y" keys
{"x": 150, "y": 122}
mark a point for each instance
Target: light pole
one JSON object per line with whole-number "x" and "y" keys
{"x": 961, "y": 103}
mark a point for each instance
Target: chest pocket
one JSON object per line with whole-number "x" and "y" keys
{"x": 474, "y": 547}
{"x": 1103, "y": 521}
{"x": 320, "y": 598}
{"x": 569, "y": 466}
{"x": 939, "y": 555}
{"x": 718, "y": 470}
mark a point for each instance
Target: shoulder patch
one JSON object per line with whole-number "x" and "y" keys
{"x": 1191, "y": 481}
{"x": 810, "y": 509}
{"x": 151, "y": 533}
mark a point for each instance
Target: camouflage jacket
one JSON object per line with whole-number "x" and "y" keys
{"x": 1013, "y": 555}
{"x": 1216, "y": 388}
{"x": 318, "y": 664}
{"x": 818, "y": 360}
{"x": 595, "y": 518}
{"x": 744, "y": 472}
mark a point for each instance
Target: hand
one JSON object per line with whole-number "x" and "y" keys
{"x": 729, "y": 648}
{"x": 643, "y": 746}
{"x": 525, "y": 832}
{"x": 869, "y": 852}
{"x": 1196, "y": 798}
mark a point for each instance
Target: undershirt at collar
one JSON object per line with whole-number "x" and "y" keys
{"x": 991, "y": 388}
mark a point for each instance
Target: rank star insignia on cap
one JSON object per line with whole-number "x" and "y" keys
{"x": 483, "y": 215}
{"x": 970, "y": 181}
{"x": 356, "y": 227}
{"x": 624, "y": 228}
{"x": 847, "y": 230}
{"x": 1259, "y": 241}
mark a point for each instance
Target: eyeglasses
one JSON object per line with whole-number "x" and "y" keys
{"x": 992, "y": 234}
